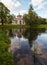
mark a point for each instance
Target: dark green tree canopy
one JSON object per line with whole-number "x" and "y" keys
{"x": 4, "y": 12}
{"x": 31, "y": 18}
{"x": 5, "y": 16}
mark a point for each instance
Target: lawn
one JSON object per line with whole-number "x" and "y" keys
{"x": 42, "y": 26}
{"x": 10, "y": 26}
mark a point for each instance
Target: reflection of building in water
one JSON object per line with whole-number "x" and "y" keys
{"x": 18, "y": 32}
{"x": 18, "y": 20}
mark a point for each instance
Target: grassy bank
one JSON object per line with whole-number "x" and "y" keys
{"x": 5, "y": 56}
{"x": 42, "y": 26}
{"x": 10, "y": 26}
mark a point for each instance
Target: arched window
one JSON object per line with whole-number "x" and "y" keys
{"x": 20, "y": 22}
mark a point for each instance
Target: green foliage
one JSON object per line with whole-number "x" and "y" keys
{"x": 5, "y": 16}
{"x": 35, "y": 51}
{"x": 10, "y": 18}
{"x": 32, "y": 19}
{"x": 4, "y": 12}
{"x": 6, "y": 57}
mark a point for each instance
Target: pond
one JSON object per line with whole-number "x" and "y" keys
{"x": 25, "y": 41}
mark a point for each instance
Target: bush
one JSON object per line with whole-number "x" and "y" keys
{"x": 6, "y": 57}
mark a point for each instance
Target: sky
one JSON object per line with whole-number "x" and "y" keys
{"x": 22, "y": 6}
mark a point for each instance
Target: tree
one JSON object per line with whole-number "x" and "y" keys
{"x": 26, "y": 19}
{"x": 10, "y": 18}
{"x": 4, "y": 12}
{"x": 31, "y": 17}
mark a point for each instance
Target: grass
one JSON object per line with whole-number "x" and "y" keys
{"x": 6, "y": 57}
{"x": 42, "y": 26}
{"x": 10, "y": 26}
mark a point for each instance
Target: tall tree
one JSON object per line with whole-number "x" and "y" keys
{"x": 4, "y": 12}
{"x": 31, "y": 17}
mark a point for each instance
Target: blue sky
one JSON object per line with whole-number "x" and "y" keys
{"x": 22, "y": 6}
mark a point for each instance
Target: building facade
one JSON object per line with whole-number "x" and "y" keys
{"x": 18, "y": 20}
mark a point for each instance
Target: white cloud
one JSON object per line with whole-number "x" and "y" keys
{"x": 44, "y": 15}
{"x": 39, "y": 3}
{"x": 17, "y": 4}
{"x": 21, "y": 12}
{"x": 40, "y": 6}
{"x": 14, "y": 6}
{"x": 11, "y": 4}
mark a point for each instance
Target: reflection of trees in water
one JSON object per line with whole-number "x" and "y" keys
{"x": 32, "y": 33}
{"x": 10, "y": 33}
{"x": 14, "y": 32}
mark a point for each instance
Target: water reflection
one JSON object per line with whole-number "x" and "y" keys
{"x": 21, "y": 50}
{"x": 24, "y": 41}
{"x": 41, "y": 45}
{"x": 17, "y": 42}
{"x": 42, "y": 42}
{"x": 32, "y": 34}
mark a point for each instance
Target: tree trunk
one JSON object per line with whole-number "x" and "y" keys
{"x": 2, "y": 22}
